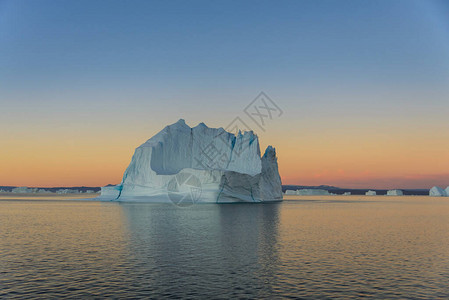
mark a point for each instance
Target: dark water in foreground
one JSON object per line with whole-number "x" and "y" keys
{"x": 390, "y": 247}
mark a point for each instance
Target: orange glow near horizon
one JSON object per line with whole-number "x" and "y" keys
{"x": 384, "y": 159}
{"x": 51, "y": 164}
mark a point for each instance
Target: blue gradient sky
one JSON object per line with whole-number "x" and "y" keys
{"x": 363, "y": 84}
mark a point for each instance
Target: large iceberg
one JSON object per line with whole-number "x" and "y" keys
{"x": 199, "y": 164}
{"x": 436, "y": 191}
{"x": 371, "y": 193}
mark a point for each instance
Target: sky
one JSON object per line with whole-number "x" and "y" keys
{"x": 363, "y": 86}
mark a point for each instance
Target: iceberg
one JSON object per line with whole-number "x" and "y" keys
{"x": 23, "y": 190}
{"x": 395, "y": 193}
{"x": 308, "y": 192}
{"x": 67, "y": 191}
{"x": 312, "y": 192}
{"x": 199, "y": 164}
{"x": 436, "y": 191}
{"x": 290, "y": 192}
{"x": 347, "y": 194}
{"x": 370, "y": 193}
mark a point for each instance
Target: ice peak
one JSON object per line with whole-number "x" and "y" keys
{"x": 179, "y": 125}
{"x": 180, "y": 122}
{"x": 270, "y": 151}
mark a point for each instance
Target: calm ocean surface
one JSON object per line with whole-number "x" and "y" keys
{"x": 328, "y": 247}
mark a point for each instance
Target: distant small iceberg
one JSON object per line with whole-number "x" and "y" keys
{"x": 290, "y": 192}
{"x": 67, "y": 191}
{"x": 395, "y": 193}
{"x": 28, "y": 190}
{"x": 308, "y": 192}
{"x": 313, "y": 192}
{"x": 23, "y": 190}
{"x": 34, "y": 190}
{"x": 436, "y": 191}
{"x": 371, "y": 193}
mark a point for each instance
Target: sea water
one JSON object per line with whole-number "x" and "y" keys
{"x": 309, "y": 247}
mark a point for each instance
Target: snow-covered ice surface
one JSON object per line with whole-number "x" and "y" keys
{"x": 206, "y": 164}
